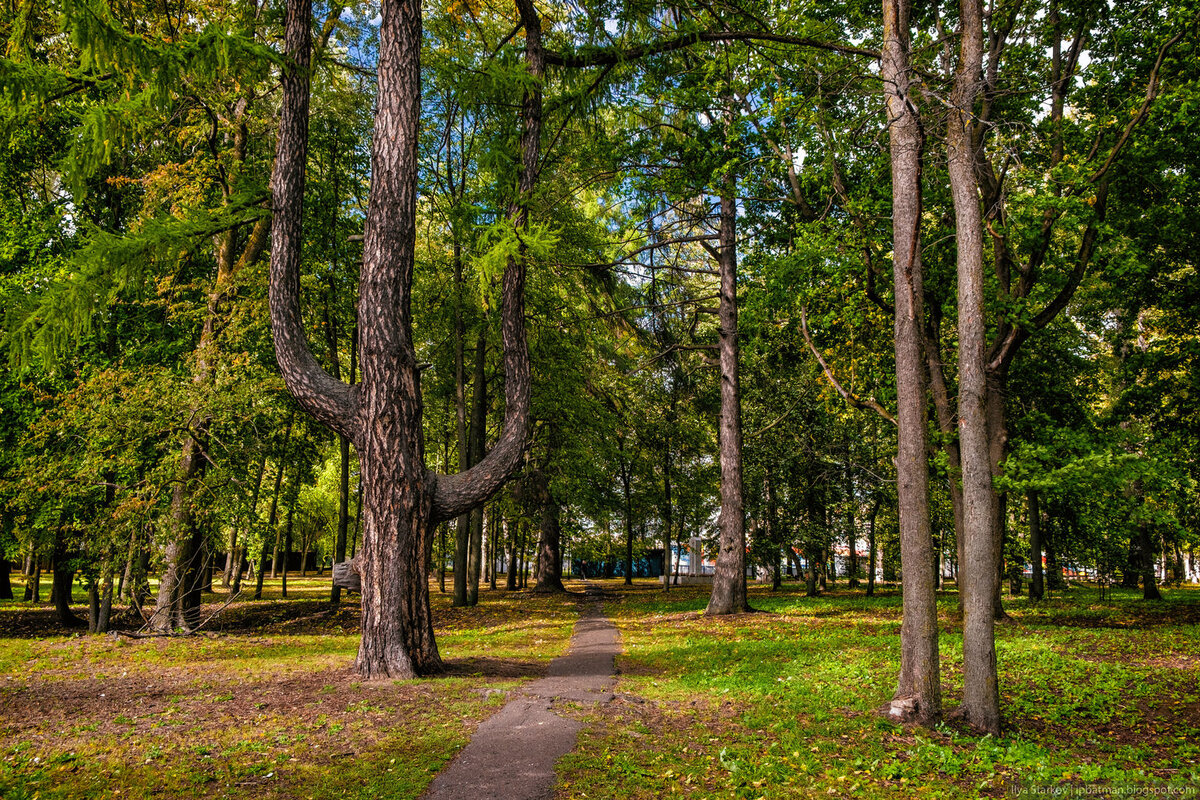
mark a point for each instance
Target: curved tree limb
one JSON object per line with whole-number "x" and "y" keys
{"x": 455, "y": 494}
{"x": 330, "y": 401}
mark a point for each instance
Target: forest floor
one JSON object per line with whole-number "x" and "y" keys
{"x": 775, "y": 704}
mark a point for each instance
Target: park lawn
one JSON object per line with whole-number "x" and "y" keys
{"x": 782, "y": 703}
{"x": 265, "y": 706}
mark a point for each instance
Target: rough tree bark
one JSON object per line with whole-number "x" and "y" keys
{"x": 918, "y": 693}
{"x": 402, "y": 501}
{"x": 729, "y": 575}
{"x": 979, "y": 570}
{"x": 549, "y": 557}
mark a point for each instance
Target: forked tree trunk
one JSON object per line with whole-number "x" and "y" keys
{"x": 402, "y": 501}
{"x": 918, "y": 693}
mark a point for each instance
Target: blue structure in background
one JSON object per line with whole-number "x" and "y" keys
{"x": 648, "y": 566}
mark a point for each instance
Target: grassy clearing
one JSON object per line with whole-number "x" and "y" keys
{"x": 266, "y": 708}
{"x": 775, "y": 705}
{"x": 780, "y": 704}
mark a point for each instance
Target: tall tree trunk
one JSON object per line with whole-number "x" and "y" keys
{"x": 997, "y": 431}
{"x": 478, "y": 439}
{"x": 33, "y": 587}
{"x": 479, "y": 530}
{"x": 1036, "y": 589}
{"x": 811, "y": 571}
{"x": 139, "y": 578}
{"x": 668, "y": 509}
{"x": 193, "y": 582}
{"x": 402, "y": 500}
{"x": 171, "y": 609}
{"x": 729, "y": 576}
{"x": 918, "y": 693}
{"x": 343, "y": 527}
{"x": 178, "y": 558}
{"x": 272, "y": 515}
{"x": 549, "y": 558}
{"x": 106, "y": 599}
{"x": 948, "y": 428}
{"x": 871, "y": 563}
{"x": 1149, "y": 586}
{"x": 980, "y": 568}
{"x": 773, "y": 529}
{"x": 510, "y": 577}
{"x": 462, "y": 524}
{"x": 465, "y": 525}
{"x": 287, "y": 538}
{"x": 522, "y": 560}
{"x": 851, "y": 530}
{"x": 93, "y": 605}
{"x": 230, "y": 554}
{"x": 64, "y": 575}
{"x": 497, "y": 530}
{"x": 627, "y": 496}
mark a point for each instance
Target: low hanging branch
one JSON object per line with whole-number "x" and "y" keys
{"x": 852, "y": 399}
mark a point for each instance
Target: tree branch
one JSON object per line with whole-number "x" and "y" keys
{"x": 456, "y": 494}
{"x": 330, "y": 401}
{"x": 1152, "y": 86}
{"x": 614, "y": 55}
{"x": 853, "y": 400}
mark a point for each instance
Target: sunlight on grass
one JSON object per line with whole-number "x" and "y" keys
{"x": 781, "y": 704}
{"x": 266, "y": 711}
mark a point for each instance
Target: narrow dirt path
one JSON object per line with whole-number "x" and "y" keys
{"x": 512, "y": 755}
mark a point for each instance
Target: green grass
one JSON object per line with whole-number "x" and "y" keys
{"x": 782, "y": 704}
{"x": 270, "y": 711}
{"x": 778, "y": 704}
